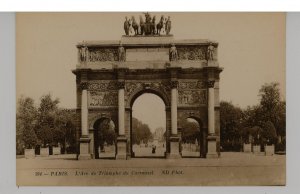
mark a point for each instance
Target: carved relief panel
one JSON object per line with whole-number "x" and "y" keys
{"x": 192, "y": 53}
{"x": 98, "y": 99}
{"x": 102, "y": 93}
{"x": 191, "y": 92}
{"x": 103, "y": 54}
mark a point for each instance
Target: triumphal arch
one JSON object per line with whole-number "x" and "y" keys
{"x": 110, "y": 75}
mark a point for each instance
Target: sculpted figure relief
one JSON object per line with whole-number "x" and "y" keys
{"x": 97, "y": 98}
{"x": 191, "y": 97}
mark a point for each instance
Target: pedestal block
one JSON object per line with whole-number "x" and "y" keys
{"x": 269, "y": 150}
{"x": 29, "y": 153}
{"x": 44, "y": 151}
{"x": 247, "y": 147}
{"x": 56, "y": 150}
{"x": 212, "y": 147}
{"x": 84, "y": 148}
{"x": 174, "y": 148}
{"x": 121, "y": 148}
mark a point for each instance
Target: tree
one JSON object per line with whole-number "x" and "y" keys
{"x": 269, "y": 134}
{"x": 190, "y": 131}
{"x": 140, "y": 132}
{"x": 106, "y": 133}
{"x": 47, "y": 113}
{"x": 272, "y": 108}
{"x": 64, "y": 131}
{"x": 230, "y": 124}
{"x": 26, "y": 121}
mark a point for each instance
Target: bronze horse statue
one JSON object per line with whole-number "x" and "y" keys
{"x": 160, "y": 25}
{"x": 152, "y": 26}
{"x": 135, "y": 26}
{"x": 142, "y": 26}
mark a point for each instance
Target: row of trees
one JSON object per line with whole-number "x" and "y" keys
{"x": 260, "y": 124}
{"x": 45, "y": 125}
{"x": 140, "y": 132}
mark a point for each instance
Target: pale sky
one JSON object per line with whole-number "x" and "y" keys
{"x": 251, "y": 49}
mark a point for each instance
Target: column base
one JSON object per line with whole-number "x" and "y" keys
{"x": 212, "y": 147}
{"x": 174, "y": 148}
{"x": 121, "y": 148}
{"x": 84, "y": 149}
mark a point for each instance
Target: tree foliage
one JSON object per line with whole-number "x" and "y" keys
{"x": 26, "y": 121}
{"x": 190, "y": 131}
{"x": 259, "y": 124}
{"x": 47, "y": 116}
{"x": 230, "y": 123}
{"x": 140, "y": 132}
{"x": 106, "y": 133}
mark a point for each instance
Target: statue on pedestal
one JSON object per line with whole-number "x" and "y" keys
{"x": 83, "y": 53}
{"x": 160, "y": 25}
{"x": 142, "y": 26}
{"x": 147, "y": 27}
{"x": 152, "y": 26}
{"x": 168, "y": 25}
{"x": 126, "y": 26}
{"x": 173, "y": 53}
{"x": 210, "y": 52}
{"x": 135, "y": 26}
{"x": 121, "y": 53}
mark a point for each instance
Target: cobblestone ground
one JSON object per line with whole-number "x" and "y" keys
{"x": 230, "y": 169}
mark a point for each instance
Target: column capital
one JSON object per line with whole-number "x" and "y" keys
{"x": 84, "y": 85}
{"x": 174, "y": 84}
{"x": 121, "y": 84}
{"x": 210, "y": 84}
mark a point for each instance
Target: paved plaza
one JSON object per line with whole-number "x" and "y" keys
{"x": 231, "y": 169}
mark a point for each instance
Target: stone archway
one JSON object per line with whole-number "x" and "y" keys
{"x": 159, "y": 95}
{"x": 188, "y": 84}
{"x": 192, "y": 148}
{"x": 104, "y": 139}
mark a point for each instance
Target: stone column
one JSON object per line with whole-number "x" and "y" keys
{"x": 121, "y": 140}
{"x": 121, "y": 111}
{"x": 84, "y": 139}
{"x": 174, "y": 93}
{"x": 211, "y": 138}
{"x": 211, "y": 108}
{"x": 174, "y": 139}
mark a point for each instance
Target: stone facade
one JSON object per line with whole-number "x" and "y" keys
{"x": 108, "y": 86}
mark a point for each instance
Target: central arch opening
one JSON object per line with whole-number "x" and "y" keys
{"x": 148, "y": 126}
